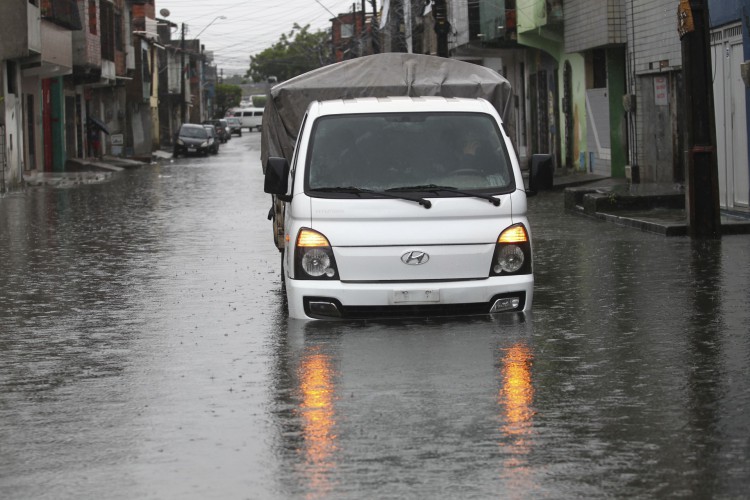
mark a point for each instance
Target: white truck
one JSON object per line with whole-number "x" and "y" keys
{"x": 396, "y": 191}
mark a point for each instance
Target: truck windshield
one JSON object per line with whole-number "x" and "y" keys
{"x": 409, "y": 151}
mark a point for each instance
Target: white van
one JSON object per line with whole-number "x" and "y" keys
{"x": 250, "y": 118}
{"x": 397, "y": 206}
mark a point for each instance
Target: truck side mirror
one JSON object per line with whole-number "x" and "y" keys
{"x": 277, "y": 176}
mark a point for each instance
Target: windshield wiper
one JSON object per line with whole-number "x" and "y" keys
{"x": 357, "y": 191}
{"x": 435, "y": 188}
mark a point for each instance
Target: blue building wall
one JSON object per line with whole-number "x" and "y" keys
{"x": 726, "y": 11}
{"x": 730, "y": 11}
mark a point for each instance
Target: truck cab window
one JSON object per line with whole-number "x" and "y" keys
{"x": 376, "y": 152}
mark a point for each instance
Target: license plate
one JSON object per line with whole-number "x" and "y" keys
{"x": 406, "y": 296}
{"x": 191, "y": 148}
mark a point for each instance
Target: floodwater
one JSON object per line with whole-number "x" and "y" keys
{"x": 145, "y": 352}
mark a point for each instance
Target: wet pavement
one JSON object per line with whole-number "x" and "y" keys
{"x": 145, "y": 353}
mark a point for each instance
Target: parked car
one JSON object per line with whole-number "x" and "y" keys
{"x": 222, "y": 129}
{"x": 214, "y": 147}
{"x": 225, "y": 125}
{"x": 193, "y": 138}
{"x": 235, "y": 127}
{"x": 252, "y": 118}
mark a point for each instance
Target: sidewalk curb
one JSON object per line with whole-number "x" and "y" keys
{"x": 653, "y": 208}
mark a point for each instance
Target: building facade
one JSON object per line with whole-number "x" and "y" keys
{"x": 35, "y": 55}
{"x": 83, "y": 79}
{"x": 598, "y": 83}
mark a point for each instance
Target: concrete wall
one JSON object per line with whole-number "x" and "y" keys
{"x": 655, "y": 58}
{"x": 530, "y": 14}
{"x": 653, "y": 36}
{"x": 594, "y": 23}
{"x": 87, "y": 45}
{"x": 727, "y": 11}
{"x": 57, "y": 48}
{"x": 14, "y": 42}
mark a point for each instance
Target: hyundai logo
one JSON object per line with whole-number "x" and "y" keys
{"x": 415, "y": 258}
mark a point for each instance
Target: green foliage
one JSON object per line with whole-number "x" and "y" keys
{"x": 296, "y": 52}
{"x": 227, "y": 97}
{"x": 235, "y": 80}
{"x": 259, "y": 101}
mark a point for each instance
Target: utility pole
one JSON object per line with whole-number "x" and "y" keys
{"x": 704, "y": 219}
{"x": 442, "y": 27}
{"x": 363, "y": 35}
{"x": 375, "y": 28}
{"x": 183, "y": 107}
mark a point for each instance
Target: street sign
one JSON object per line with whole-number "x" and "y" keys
{"x": 685, "y": 22}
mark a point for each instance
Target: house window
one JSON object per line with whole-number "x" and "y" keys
{"x": 475, "y": 26}
{"x": 599, "y": 63}
{"x": 92, "y": 17}
{"x": 347, "y": 30}
{"x": 10, "y": 76}
{"x": 106, "y": 24}
{"x": 118, "y": 31}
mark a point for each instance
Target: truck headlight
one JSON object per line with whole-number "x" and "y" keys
{"x": 512, "y": 252}
{"x": 313, "y": 257}
{"x": 509, "y": 259}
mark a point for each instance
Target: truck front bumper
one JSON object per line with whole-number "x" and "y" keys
{"x": 342, "y": 300}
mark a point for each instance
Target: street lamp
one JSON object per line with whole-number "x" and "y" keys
{"x": 209, "y": 24}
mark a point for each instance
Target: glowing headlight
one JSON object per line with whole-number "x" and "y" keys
{"x": 314, "y": 256}
{"x": 512, "y": 252}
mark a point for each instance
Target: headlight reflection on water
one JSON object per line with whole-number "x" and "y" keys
{"x": 515, "y": 398}
{"x": 318, "y": 420}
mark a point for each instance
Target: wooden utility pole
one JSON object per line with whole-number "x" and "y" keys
{"x": 702, "y": 171}
{"x": 183, "y": 106}
{"x": 375, "y": 28}
{"x": 442, "y": 27}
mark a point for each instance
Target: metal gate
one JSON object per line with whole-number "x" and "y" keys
{"x": 731, "y": 117}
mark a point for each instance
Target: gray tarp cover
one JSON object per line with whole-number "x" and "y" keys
{"x": 380, "y": 75}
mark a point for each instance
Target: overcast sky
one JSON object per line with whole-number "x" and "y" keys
{"x": 250, "y": 25}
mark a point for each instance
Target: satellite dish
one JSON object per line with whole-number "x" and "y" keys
{"x": 164, "y": 12}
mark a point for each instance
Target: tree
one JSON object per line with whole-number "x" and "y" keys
{"x": 227, "y": 97}
{"x": 296, "y": 52}
{"x": 235, "y": 79}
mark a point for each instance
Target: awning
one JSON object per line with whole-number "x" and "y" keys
{"x": 99, "y": 124}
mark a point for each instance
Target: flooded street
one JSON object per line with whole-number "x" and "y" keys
{"x": 145, "y": 352}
